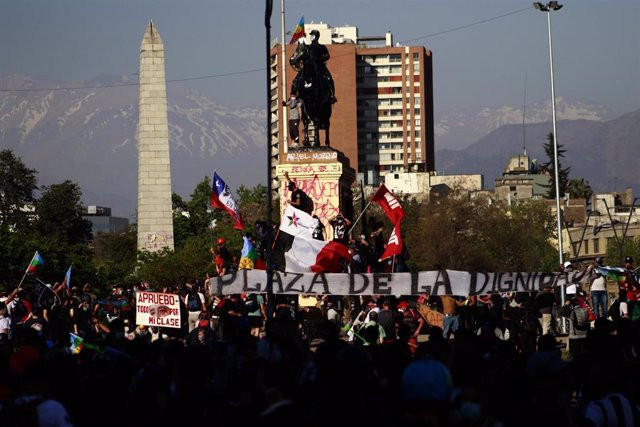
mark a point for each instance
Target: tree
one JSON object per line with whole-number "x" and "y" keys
{"x": 563, "y": 174}
{"x": 114, "y": 257}
{"x": 460, "y": 233}
{"x": 615, "y": 255}
{"x": 63, "y": 235}
{"x": 580, "y": 189}
{"x": 252, "y": 201}
{"x": 17, "y": 245}
{"x": 17, "y": 184}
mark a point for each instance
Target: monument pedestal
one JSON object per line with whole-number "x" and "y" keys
{"x": 325, "y": 176}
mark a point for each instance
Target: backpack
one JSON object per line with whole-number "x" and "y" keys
{"x": 193, "y": 302}
{"x": 251, "y": 303}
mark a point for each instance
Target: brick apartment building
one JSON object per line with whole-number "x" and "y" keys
{"x": 383, "y": 120}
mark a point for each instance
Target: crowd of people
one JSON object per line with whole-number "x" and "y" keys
{"x": 244, "y": 359}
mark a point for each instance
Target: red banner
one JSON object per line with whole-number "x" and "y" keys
{"x": 394, "y": 246}
{"x": 388, "y": 202}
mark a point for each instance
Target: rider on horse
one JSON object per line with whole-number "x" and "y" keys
{"x": 318, "y": 56}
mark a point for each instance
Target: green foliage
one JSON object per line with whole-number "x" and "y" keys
{"x": 17, "y": 184}
{"x": 63, "y": 235}
{"x": 472, "y": 234}
{"x": 114, "y": 257}
{"x": 17, "y": 245}
{"x": 168, "y": 268}
{"x": 580, "y": 189}
{"x": 563, "y": 173}
{"x": 615, "y": 255}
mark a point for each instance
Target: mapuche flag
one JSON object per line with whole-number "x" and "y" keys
{"x": 388, "y": 202}
{"x": 35, "y": 263}
{"x": 302, "y": 253}
{"x": 299, "y": 31}
{"x": 221, "y": 198}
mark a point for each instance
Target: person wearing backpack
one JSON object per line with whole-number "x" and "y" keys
{"x": 194, "y": 301}
{"x": 578, "y": 328}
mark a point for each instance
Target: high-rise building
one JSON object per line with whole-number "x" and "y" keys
{"x": 102, "y": 222}
{"x": 155, "y": 216}
{"x": 383, "y": 120}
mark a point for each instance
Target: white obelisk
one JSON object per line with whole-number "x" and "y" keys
{"x": 155, "y": 218}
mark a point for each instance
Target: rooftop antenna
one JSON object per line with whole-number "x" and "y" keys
{"x": 524, "y": 112}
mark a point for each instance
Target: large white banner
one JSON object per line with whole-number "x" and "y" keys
{"x": 157, "y": 309}
{"x": 442, "y": 282}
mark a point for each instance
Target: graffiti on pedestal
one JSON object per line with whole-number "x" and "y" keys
{"x": 324, "y": 194}
{"x": 155, "y": 241}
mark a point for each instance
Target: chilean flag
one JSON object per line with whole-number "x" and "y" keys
{"x": 221, "y": 198}
{"x": 297, "y": 251}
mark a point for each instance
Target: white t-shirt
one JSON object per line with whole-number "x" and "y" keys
{"x": 5, "y": 325}
{"x": 624, "y": 309}
{"x": 599, "y": 284}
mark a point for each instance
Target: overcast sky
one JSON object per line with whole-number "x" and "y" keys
{"x": 596, "y": 44}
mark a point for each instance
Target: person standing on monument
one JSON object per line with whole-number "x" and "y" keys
{"x": 299, "y": 199}
{"x": 295, "y": 111}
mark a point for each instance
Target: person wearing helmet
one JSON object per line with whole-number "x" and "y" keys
{"x": 319, "y": 55}
{"x": 223, "y": 257}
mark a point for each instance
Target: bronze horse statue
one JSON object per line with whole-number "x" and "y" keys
{"x": 313, "y": 86}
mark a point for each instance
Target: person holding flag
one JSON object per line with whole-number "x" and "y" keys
{"x": 394, "y": 211}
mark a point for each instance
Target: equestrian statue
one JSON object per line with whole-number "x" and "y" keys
{"x": 314, "y": 86}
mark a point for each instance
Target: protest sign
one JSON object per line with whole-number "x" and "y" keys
{"x": 156, "y": 309}
{"x": 438, "y": 282}
{"x": 433, "y": 317}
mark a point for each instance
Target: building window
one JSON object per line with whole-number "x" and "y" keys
{"x": 585, "y": 244}
{"x": 596, "y": 246}
{"x": 512, "y": 188}
{"x": 575, "y": 249}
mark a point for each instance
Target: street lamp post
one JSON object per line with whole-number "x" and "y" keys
{"x": 553, "y": 5}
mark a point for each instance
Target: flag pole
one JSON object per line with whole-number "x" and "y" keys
{"x": 359, "y": 216}
{"x": 27, "y": 270}
{"x": 269, "y": 260}
{"x": 393, "y": 264}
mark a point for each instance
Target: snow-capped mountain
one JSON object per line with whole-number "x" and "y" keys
{"x": 89, "y": 136}
{"x": 457, "y": 129}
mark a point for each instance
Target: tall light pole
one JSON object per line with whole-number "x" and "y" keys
{"x": 553, "y": 5}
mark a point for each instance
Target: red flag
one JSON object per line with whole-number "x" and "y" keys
{"x": 394, "y": 246}
{"x": 391, "y": 206}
